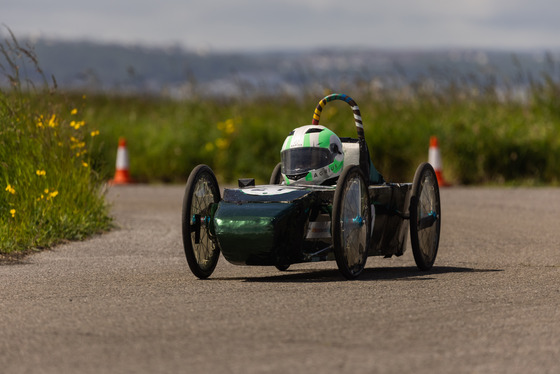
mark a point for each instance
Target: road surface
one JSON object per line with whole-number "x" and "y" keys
{"x": 126, "y": 302}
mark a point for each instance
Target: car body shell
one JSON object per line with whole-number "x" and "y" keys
{"x": 280, "y": 225}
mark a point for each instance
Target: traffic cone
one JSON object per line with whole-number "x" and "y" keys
{"x": 434, "y": 158}
{"x": 122, "y": 175}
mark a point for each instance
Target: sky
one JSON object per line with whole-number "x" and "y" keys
{"x": 255, "y": 25}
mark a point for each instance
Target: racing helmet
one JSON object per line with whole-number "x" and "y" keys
{"x": 311, "y": 155}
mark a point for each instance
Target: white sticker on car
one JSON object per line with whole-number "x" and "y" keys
{"x": 267, "y": 190}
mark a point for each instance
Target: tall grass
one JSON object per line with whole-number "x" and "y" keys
{"x": 487, "y": 133}
{"x": 486, "y": 137}
{"x": 48, "y": 189}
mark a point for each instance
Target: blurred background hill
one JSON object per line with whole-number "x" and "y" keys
{"x": 177, "y": 72}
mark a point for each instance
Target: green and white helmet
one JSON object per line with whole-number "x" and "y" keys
{"x": 311, "y": 155}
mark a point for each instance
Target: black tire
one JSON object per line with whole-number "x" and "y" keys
{"x": 201, "y": 195}
{"x": 276, "y": 176}
{"x": 425, "y": 216}
{"x": 351, "y": 222}
{"x": 282, "y": 267}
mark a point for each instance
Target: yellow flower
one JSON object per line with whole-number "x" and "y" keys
{"x": 230, "y": 126}
{"x": 13, "y": 212}
{"x": 51, "y": 195}
{"x": 74, "y": 111}
{"x": 77, "y": 143}
{"x": 41, "y": 172}
{"x": 94, "y": 133}
{"x": 40, "y": 121}
{"x": 10, "y": 189}
{"x": 77, "y": 125}
{"x": 222, "y": 143}
{"x": 52, "y": 121}
{"x": 209, "y": 147}
{"x": 85, "y": 164}
{"x": 46, "y": 190}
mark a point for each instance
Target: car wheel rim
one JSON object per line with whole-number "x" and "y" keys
{"x": 203, "y": 197}
{"x": 427, "y": 217}
{"x": 354, "y": 225}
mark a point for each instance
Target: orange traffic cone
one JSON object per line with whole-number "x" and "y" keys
{"x": 434, "y": 158}
{"x": 122, "y": 175}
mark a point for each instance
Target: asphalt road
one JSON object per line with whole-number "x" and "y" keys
{"x": 126, "y": 302}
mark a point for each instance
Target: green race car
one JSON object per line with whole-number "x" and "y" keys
{"x": 325, "y": 201}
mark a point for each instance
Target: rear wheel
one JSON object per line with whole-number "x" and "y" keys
{"x": 276, "y": 176}
{"x": 351, "y": 222}
{"x": 201, "y": 197}
{"x": 425, "y": 216}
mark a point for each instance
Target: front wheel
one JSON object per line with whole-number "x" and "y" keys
{"x": 425, "y": 216}
{"x": 202, "y": 194}
{"x": 351, "y": 222}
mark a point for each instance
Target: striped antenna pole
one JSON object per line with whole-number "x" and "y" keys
{"x": 347, "y": 99}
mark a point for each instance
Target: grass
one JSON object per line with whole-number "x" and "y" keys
{"x": 49, "y": 191}
{"x": 484, "y": 139}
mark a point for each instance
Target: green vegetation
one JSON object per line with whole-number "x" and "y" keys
{"x": 49, "y": 192}
{"x": 484, "y": 139}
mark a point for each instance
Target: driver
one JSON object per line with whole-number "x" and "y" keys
{"x": 312, "y": 155}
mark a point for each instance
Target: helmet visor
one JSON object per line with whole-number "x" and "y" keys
{"x": 297, "y": 161}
